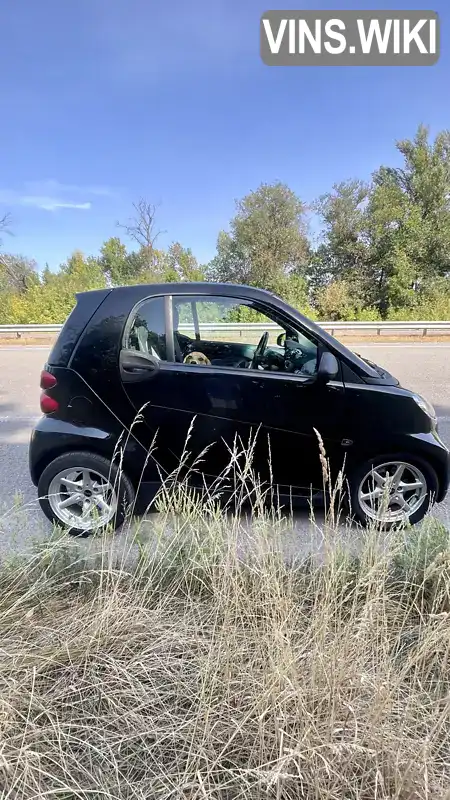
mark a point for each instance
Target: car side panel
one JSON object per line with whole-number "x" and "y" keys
{"x": 83, "y": 421}
{"x": 96, "y": 361}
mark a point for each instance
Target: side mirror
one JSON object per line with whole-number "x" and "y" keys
{"x": 328, "y": 368}
{"x": 281, "y": 339}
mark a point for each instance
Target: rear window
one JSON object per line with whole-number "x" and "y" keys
{"x": 85, "y": 306}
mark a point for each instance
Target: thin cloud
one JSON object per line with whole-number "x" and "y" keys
{"x": 51, "y": 195}
{"x": 51, "y": 203}
{"x": 55, "y": 188}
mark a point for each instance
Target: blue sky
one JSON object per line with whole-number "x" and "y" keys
{"x": 105, "y": 101}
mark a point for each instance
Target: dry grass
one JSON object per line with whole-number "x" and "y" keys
{"x": 196, "y": 668}
{"x": 200, "y": 664}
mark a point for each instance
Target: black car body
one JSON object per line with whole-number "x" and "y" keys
{"x": 130, "y": 351}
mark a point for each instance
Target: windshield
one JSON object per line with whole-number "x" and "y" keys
{"x": 362, "y": 363}
{"x": 335, "y": 345}
{"x": 379, "y": 370}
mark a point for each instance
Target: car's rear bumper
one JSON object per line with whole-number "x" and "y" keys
{"x": 51, "y": 437}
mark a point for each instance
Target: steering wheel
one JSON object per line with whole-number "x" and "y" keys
{"x": 260, "y": 350}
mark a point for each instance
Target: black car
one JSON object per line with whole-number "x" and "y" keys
{"x": 141, "y": 375}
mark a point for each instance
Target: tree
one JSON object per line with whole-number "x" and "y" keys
{"x": 425, "y": 175}
{"x": 17, "y": 273}
{"x": 337, "y": 301}
{"x": 82, "y": 274}
{"x": 386, "y": 238}
{"x": 182, "y": 264}
{"x": 267, "y": 242}
{"x": 141, "y": 229}
{"x": 409, "y": 219}
{"x": 52, "y": 298}
{"x": 344, "y": 253}
{"x": 5, "y": 221}
{"x": 113, "y": 262}
{"x": 47, "y": 275}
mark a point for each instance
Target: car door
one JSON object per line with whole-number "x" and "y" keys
{"x": 283, "y": 410}
{"x": 301, "y": 422}
{"x": 188, "y": 414}
{"x": 213, "y": 412}
{"x": 148, "y": 384}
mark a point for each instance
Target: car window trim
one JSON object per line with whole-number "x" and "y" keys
{"x": 168, "y": 317}
{"x": 258, "y": 305}
{"x": 195, "y": 321}
{"x": 253, "y": 374}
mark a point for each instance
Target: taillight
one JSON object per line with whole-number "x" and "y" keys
{"x": 48, "y": 404}
{"x": 47, "y": 380}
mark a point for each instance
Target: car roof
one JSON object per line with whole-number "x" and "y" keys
{"x": 201, "y": 287}
{"x": 206, "y": 288}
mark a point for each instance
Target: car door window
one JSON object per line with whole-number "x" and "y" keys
{"x": 216, "y": 332}
{"x": 146, "y": 331}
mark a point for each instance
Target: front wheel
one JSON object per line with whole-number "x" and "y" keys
{"x": 392, "y": 491}
{"x": 84, "y": 493}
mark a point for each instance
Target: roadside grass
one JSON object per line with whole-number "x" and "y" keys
{"x": 200, "y": 663}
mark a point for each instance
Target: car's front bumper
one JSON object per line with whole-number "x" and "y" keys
{"x": 444, "y": 481}
{"x": 440, "y": 459}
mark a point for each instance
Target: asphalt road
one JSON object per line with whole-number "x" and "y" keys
{"x": 422, "y": 367}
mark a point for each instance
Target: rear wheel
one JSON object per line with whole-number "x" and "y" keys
{"x": 84, "y": 493}
{"x": 392, "y": 491}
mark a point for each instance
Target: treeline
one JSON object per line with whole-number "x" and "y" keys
{"x": 383, "y": 252}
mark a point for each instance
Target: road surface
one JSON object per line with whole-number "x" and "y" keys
{"x": 422, "y": 367}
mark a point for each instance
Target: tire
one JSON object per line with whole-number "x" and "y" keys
{"x": 59, "y": 481}
{"x": 415, "y": 470}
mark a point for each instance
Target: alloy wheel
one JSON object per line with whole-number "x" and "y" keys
{"x": 82, "y": 498}
{"x": 392, "y": 492}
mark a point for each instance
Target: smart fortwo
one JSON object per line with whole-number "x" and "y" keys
{"x": 140, "y": 375}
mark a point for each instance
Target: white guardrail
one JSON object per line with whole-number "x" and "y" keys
{"x": 332, "y": 327}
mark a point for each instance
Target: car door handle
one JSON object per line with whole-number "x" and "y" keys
{"x": 135, "y": 366}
